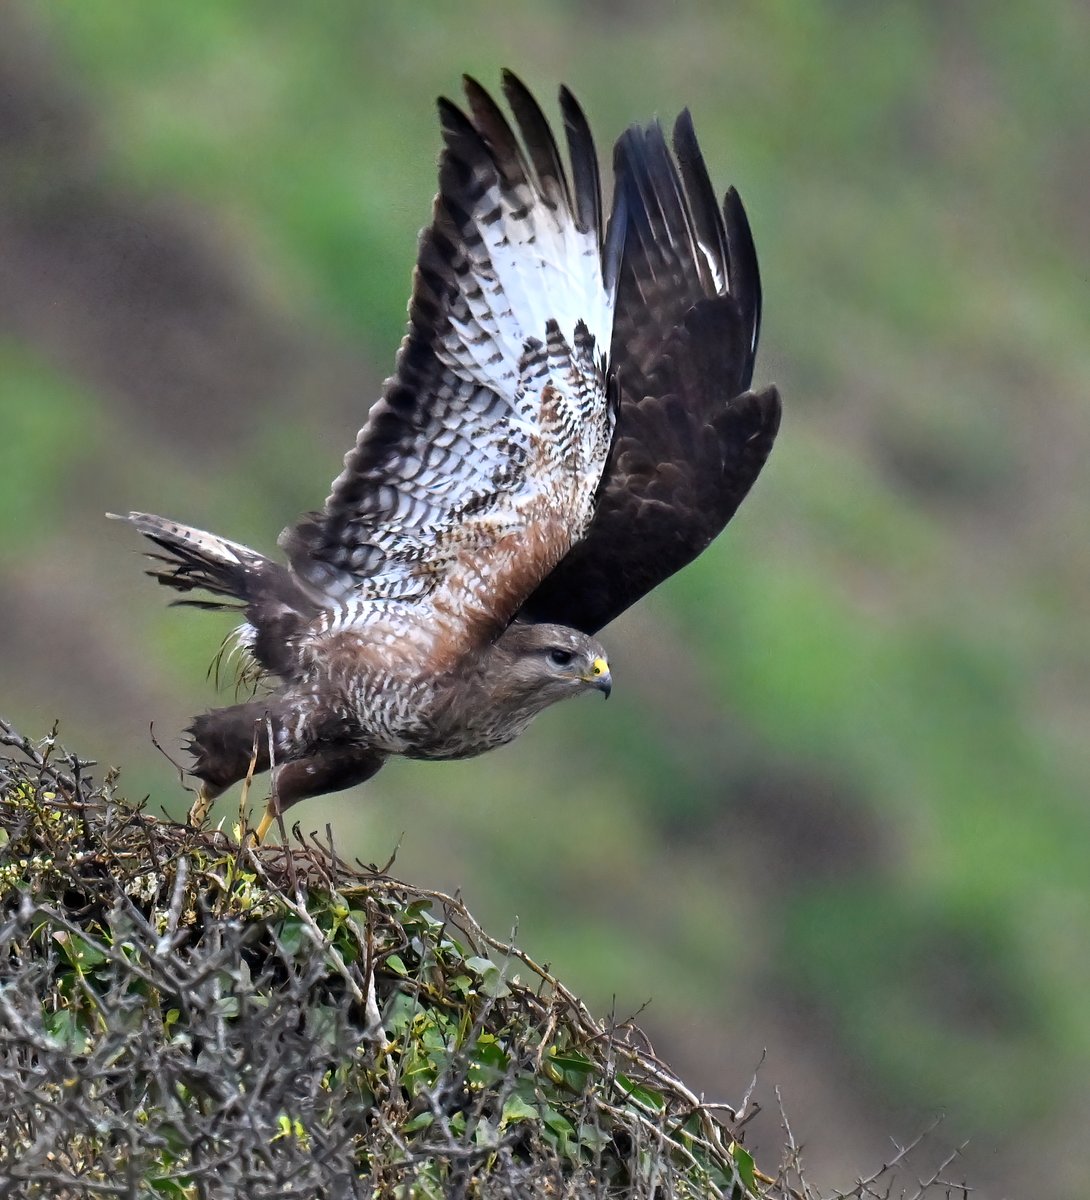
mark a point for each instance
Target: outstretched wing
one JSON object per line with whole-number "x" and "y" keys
{"x": 477, "y": 470}
{"x": 690, "y": 438}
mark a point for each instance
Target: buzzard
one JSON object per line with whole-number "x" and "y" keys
{"x": 569, "y": 422}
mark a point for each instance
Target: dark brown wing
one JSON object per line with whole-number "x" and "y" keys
{"x": 690, "y": 438}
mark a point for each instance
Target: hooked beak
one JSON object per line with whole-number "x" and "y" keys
{"x": 600, "y": 677}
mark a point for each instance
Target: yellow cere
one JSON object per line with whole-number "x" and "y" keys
{"x": 599, "y": 667}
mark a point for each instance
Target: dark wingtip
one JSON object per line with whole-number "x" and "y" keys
{"x": 475, "y": 90}
{"x": 684, "y": 131}
{"x": 745, "y": 282}
{"x": 449, "y": 113}
{"x": 508, "y": 79}
{"x": 756, "y": 415}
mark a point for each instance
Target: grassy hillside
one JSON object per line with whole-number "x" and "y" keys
{"x": 841, "y": 791}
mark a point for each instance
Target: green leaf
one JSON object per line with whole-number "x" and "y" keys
{"x": 291, "y": 935}
{"x": 165, "y": 1185}
{"x": 492, "y": 981}
{"x": 569, "y": 1068}
{"x": 645, "y": 1095}
{"x": 290, "y": 1127}
{"x": 556, "y": 1121}
{"x": 561, "y": 1130}
{"x": 484, "y": 1133}
{"x": 490, "y": 1061}
{"x": 400, "y": 1012}
{"x": 594, "y": 1136}
{"x": 515, "y": 1108}
{"x": 228, "y": 1007}
{"x": 744, "y": 1163}
{"x": 419, "y": 913}
{"x": 460, "y": 984}
{"x": 80, "y": 953}
{"x": 64, "y": 1025}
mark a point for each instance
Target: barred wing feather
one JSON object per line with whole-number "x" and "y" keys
{"x": 477, "y": 470}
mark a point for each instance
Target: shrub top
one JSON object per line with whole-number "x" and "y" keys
{"x": 184, "y": 1016}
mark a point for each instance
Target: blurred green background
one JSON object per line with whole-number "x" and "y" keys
{"x": 838, "y": 806}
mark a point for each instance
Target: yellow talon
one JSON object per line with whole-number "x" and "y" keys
{"x": 198, "y": 810}
{"x": 264, "y": 825}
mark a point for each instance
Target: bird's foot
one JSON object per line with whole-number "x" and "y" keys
{"x": 258, "y": 834}
{"x": 198, "y": 810}
{"x": 264, "y": 825}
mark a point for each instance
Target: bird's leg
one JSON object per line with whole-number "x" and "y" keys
{"x": 329, "y": 770}
{"x": 244, "y": 796}
{"x": 207, "y": 792}
{"x": 265, "y": 824}
{"x": 198, "y": 810}
{"x": 270, "y": 811}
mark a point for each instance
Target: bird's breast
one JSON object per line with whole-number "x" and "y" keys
{"x": 403, "y": 696}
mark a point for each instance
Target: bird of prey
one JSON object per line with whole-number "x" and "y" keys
{"x": 569, "y": 422}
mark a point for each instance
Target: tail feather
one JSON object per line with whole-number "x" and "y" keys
{"x": 196, "y": 559}
{"x": 274, "y": 603}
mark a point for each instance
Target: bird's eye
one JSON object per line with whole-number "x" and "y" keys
{"x": 560, "y": 658}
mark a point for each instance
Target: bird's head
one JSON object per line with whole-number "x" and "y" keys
{"x": 545, "y": 663}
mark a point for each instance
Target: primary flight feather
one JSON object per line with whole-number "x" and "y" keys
{"x": 569, "y": 422}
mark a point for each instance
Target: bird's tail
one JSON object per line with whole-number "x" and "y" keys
{"x": 194, "y": 559}
{"x": 272, "y": 599}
